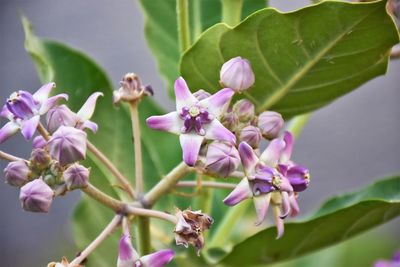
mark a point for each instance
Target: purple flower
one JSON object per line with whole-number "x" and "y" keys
{"x": 270, "y": 124}
{"x": 63, "y": 116}
{"x": 17, "y": 173}
{"x": 128, "y": 257}
{"x": 76, "y": 176}
{"x": 222, "y": 158}
{"x": 237, "y": 74}
{"x": 394, "y": 262}
{"x": 36, "y": 196}
{"x": 195, "y": 120}
{"x": 68, "y": 145}
{"x": 24, "y": 110}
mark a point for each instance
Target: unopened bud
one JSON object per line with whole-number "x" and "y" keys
{"x": 222, "y": 158}
{"x": 60, "y": 116}
{"x": 251, "y": 135}
{"x": 40, "y": 158}
{"x": 36, "y": 196}
{"x": 244, "y": 109}
{"x": 201, "y": 94}
{"x": 39, "y": 142}
{"x": 17, "y": 173}
{"x": 237, "y": 74}
{"x": 230, "y": 120}
{"x": 270, "y": 124}
{"x": 76, "y": 176}
{"x": 68, "y": 145}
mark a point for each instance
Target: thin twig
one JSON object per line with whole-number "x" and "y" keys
{"x": 95, "y": 243}
{"x": 43, "y": 132}
{"x": 130, "y": 209}
{"x": 9, "y": 157}
{"x": 206, "y": 184}
{"x": 137, "y": 147}
{"x": 104, "y": 199}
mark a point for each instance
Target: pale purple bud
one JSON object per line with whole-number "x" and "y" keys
{"x": 244, "y": 110}
{"x": 39, "y": 142}
{"x": 222, "y": 158}
{"x": 270, "y": 124}
{"x": 36, "y": 196}
{"x": 60, "y": 116}
{"x": 17, "y": 173}
{"x": 68, "y": 145}
{"x": 251, "y": 135}
{"x": 230, "y": 120}
{"x": 76, "y": 176}
{"x": 201, "y": 94}
{"x": 40, "y": 158}
{"x": 237, "y": 74}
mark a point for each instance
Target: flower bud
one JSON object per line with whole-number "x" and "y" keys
{"x": 190, "y": 227}
{"x": 36, "y": 196}
{"x": 230, "y": 120}
{"x": 39, "y": 142}
{"x": 68, "y": 145}
{"x": 251, "y": 135}
{"x": 201, "y": 94}
{"x": 131, "y": 89}
{"x": 270, "y": 124}
{"x": 40, "y": 158}
{"x": 76, "y": 176}
{"x": 237, "y": 74}
{"x": 60, "y": 116}
{"x": 17, "y": 173}
{"x": 222, "y": 158}
{"x": 244, "y": 109}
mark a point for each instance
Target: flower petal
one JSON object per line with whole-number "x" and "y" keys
{"x": 261, "y": 203}
{"x": 287, "y": 151}
{"x": 285, "y": 205}
{"x": 89, "y": 125}
{"x": 8, "y": 130}
{"x": 169, "y": 122}
{"x": 280, "y": 227}
{"x": 157, "y": 259}
{"x": 28, "y": 127}
{"x": 190, "y": 144}
{"x": 216, "y": 131}
{"x": 248, "y": 157}
{"x": 126, "y": 254}
{"x": 51, "y": 102}
{"x": 272, "y": 153}
{"x": 42, "y": 94}
{"x": 87, "y": 110}
{"x": 183, "y": 96}
{"x": 218, "y": 102}
{"x": 241, "y": 192}
{"x": 6, "y": 113}
{"x": 294, "y": 206}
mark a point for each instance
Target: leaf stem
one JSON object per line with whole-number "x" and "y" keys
{"x": 182, "y": 12}
{"x": 43, "y": 132}
{"x": 9, "y": 157}
{"x": 297, "y": 124}
{"x": 97, "y": 241}
{"x": 166, "y": 184}
{"x": 130, "y": 209}
{"x": 133, "y": 106}
{"x": 209, "y": 184}
{"x": 106, "y": 200}
{"x": 231, "y": 11}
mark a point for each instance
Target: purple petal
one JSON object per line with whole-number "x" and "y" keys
{"x": 190, "y": 144}
{"x": 169, "y": 122}
{"x": 183, "y": 96}
{"x": 218, "y": 102}
{"x": 89, "y": 125}
{"x": 261, "y": 203}
{"x": 285, "y": 205}
{"x": 28, "y": 127}
{"x": 158, "y": 259}
{"x": 87, "y": 110}
{"x": 126, "y": 254}
{"x": 241, "y": 192}
{"x": 51, "y": 102}
{"x": 272, "y": 153}
{"x": 6, "y": 113}
{"x": 287, "y": 151}
{"x": 248, "y": 157}
{"x": 294, "y": 206}
{"x": 216, "y": 131}
{"x": 39, "y": 142}
{"x": 298, "y": 177}
{"x": 285, "y": 185}
{"x": 8, "y": 130}
{"x": 280, "y": 227}
{"x": 42, "y": 94}
{"x": 384, "y": 263}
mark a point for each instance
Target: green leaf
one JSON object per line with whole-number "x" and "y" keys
{"x": 79, "y": 76}
{"x": 302, "y": 60}
{"x": 339, "y": 219}
{"x": 161, "y": 28}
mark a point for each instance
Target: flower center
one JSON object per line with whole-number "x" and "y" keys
{"x": 21, "y": 104}
{"x": 194, "y": 118}
{"x": 276, "y": 181}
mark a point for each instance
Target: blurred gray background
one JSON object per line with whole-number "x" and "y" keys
{"x": 346, "y": 145}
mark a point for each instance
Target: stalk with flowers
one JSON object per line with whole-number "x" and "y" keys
{"x": 235, "y": 145}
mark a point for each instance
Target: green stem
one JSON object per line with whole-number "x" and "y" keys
{"x": 144, "y": 236}
{"x": 297, "y": 124}
{"x": 182, "y": 12}
{"x": 103, "y": 198}
{"x": 196, "y": 8}
{"x": 137, "y": 147}
{"x": 231, "y": 11}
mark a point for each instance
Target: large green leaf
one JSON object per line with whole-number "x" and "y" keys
{"x": 79, "y": 76}
{"x": 339, "y": 219}
{"x": 162, "y": 34}
{"x": 302, "y": 60}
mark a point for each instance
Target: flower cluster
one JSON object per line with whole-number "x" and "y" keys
{"x": 53, "y": 167}
{"x": 219, "y": 139}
